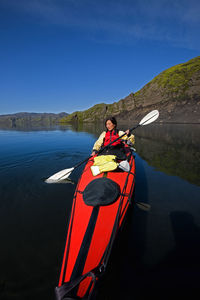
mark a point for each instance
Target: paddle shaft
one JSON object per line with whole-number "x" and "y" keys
{"x": 85, "y": 160}
{"x": 76, "y": 166}
{"x": 130, "y": 130}
{"x": 149, "y": 118}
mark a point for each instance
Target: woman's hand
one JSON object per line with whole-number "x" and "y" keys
{"x": 93, "y": 153}
{"x": 127, "y": 132}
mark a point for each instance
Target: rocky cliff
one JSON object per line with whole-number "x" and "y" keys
{"x": 175, "y": 93}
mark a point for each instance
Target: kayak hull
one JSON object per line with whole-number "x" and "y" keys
{"x": 91, "y": 233}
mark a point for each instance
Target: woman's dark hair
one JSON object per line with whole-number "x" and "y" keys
{"x": 112, "y": 119}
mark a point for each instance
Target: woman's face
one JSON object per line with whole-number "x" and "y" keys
{"x": 110, "y": 125}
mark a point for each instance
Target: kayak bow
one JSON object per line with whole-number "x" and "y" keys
{"x": 99, "y": 206}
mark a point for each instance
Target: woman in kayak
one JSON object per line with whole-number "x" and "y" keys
{"x": 111, "y": 134}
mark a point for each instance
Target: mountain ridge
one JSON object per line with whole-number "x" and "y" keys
{"x": 175, "y": 92}
{"x": 26, "y": 118}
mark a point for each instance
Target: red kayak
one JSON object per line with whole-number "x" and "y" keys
{"x": 99, "y": 206}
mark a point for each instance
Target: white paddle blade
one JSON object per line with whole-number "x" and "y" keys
{"x": 149, "y": 118}
{"x": 61, "y": 175}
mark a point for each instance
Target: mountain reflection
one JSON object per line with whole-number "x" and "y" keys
{"x": 172, "y": 149}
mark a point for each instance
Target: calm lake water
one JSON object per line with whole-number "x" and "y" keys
{"x": 157, "y": 251}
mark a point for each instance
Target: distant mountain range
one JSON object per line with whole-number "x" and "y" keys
{"x": 30, "y": 119}
{"x": 175, "y": 93}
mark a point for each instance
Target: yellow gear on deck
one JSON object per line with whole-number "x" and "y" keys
{"x": 104, "y": 163}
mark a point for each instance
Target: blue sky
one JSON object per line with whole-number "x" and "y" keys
{"x": 67, "y": 55}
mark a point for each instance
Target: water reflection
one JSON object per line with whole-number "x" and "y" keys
{"x": 156, "y": 247}
{"x": 172, "y": 149}
{"x": 182, "y": 262}
{"x": 36, "y": 127}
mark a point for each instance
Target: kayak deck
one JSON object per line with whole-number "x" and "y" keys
{"x": 91, "y": 233}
